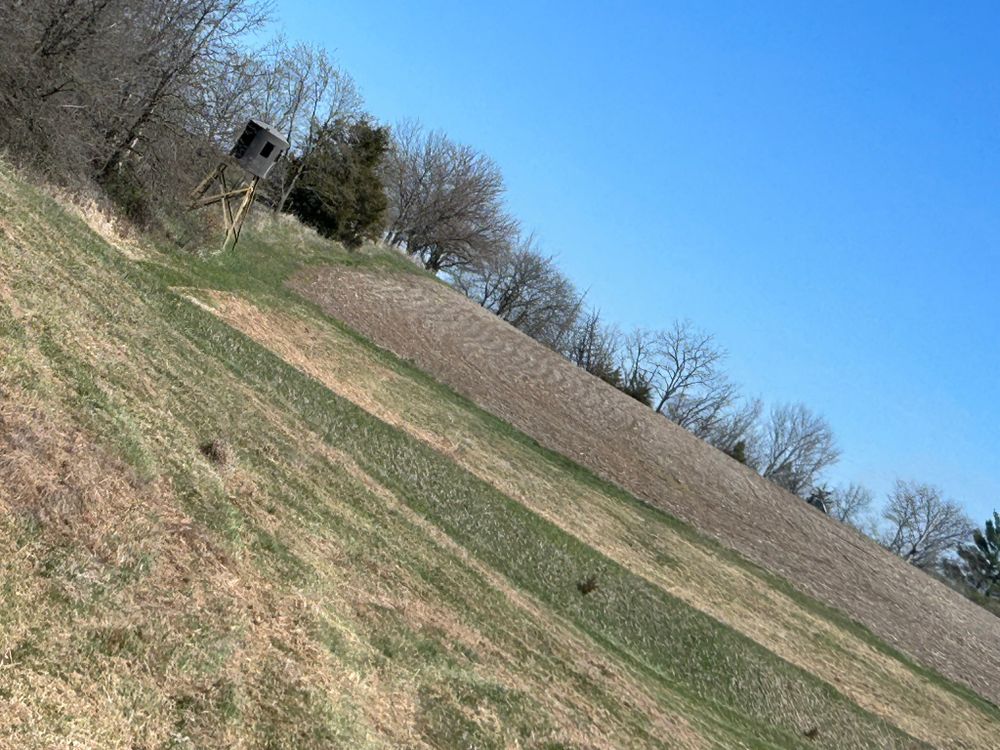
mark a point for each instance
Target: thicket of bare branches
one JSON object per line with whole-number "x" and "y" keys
{"x": 445, "y": 200}
{"x": 682, "y": 368}
{"x": 526, "y": 288}
{"x": 304, "y": 95}
{"x": 116, "y": 90}
{"x": 141, "y": 96}
{"x": 796, "y": 445}
{"x": 737, "y": 432}
{"x": 921, "y": 526}
{"x": 593, "y": 345}
{"x": 852, "y": 505}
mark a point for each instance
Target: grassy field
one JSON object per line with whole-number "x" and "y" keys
{"x": 228, "y": 521}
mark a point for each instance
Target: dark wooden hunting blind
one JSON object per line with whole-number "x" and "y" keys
{"x": 259, "y": 148}
{"x": 256, "y": 151}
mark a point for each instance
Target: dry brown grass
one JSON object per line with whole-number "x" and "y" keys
{"x": 66, "y": 506}
{"x": 129, "y": 621}
{"x": 115, "y": 231}
{"x": 695, "y": 573}
{"x": 573, "y": 413}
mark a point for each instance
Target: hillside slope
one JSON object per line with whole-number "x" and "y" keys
{"x": 227, "y": 520}
{"x": 569, "y": 411}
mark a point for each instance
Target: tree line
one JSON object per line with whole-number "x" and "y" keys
{"x": 141, "y": 97}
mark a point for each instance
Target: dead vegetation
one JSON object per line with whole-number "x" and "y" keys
{"x": 690, "y": 570}
{"x": 340, "y": 583}
{"x": 217, "y": 451}
{"x": 573, "y": 413}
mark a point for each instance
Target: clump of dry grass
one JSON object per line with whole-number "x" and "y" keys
{"x": 99, "y": 216}
{"x": 218, "y": 451}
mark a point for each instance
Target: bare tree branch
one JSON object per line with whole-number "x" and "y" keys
{"x": 921, "y": 526}
{"x": 445, "y": 200}
{"x": 796, "y": 446}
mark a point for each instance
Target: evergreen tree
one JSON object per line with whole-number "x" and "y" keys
{"x": 739, "y": 452}
{"x": 339, "y": 192}
{"x": 978, "y": 564}
{"x": 638, "y": 386}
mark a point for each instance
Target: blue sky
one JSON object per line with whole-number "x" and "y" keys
{"x": 816, "y": 184}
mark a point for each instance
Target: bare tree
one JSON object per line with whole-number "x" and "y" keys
{"x": 699, "y": 411}
{"x": 297, "y": 89}
{"x": 921, "y": 526}
{"x": 852, "y": 505}
{"x": 116, "y": 89}
{"x": 796, "y": 445}
{"x": 526, "y": 289}
{"x": 682, "y": 368}
{"x": 737, "y": 432}
{"x": 47, "y": 51}
{"x": 593, "y": 345}
{"x": 172, "y": 43}
{"x": 637, "y": 365}
{"x": 306, "y": 95}
{"x": 445, "y": 200}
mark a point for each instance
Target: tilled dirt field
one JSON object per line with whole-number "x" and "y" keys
{"x": 576, "y": 414}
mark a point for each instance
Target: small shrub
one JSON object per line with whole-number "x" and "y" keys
{"x": 217, "y": 451}
{"x": 126, "y": 192}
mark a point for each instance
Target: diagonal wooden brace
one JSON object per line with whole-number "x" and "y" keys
{"x": 234, "y": 223}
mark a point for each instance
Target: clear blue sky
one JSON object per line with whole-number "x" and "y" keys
{"x": 816, "y": 183}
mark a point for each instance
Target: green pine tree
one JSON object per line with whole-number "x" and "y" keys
{"x": 339, "y": 192}
{"x": 739, "y": 452}
{"x": 978, "y": 564}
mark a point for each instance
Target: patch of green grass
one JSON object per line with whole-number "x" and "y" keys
{"x": 633, "y": 618}
{"x": 447, "y": 708}
{"x": 127, "y": 642}
{"x": 300, "y": 717}
{"x": 214, "y": 380}
{"x": 10, "y": 328}
{"x": 98, "y": 407}
{"x": 322, "y": 630}
{"x": 289, "y": 568}
{"x": 264, "y": 259}
{"x": 207, "y": 502}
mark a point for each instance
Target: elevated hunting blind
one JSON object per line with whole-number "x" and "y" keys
{"x": 258, "y": 148}
{"x": 256, "y": 151}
